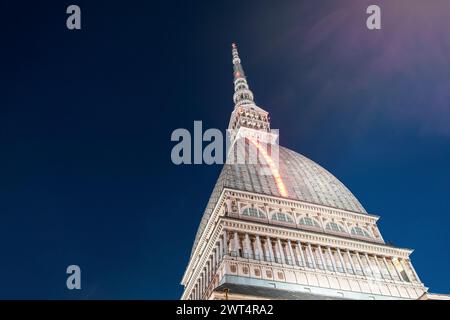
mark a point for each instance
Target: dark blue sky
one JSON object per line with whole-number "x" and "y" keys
{"x": 86, "y": 118}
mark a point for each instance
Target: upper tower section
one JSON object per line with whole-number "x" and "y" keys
{"x": 242, "y": 93}
{"x": 246, "y": 113}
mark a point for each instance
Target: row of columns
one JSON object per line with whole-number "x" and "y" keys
{"x": 300, "y": 254}
{"x": 209, "y": 271}
{"x": 296, "y": 253}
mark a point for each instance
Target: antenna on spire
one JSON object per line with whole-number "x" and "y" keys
{"x": 246, "y": 113}
{"x": 238, "y": 71}
{"x": 242, "y": 93}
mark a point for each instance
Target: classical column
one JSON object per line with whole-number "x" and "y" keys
{"x": 368, "y": 263}
{"x": 332, "y": 259}
{"x": 360, "y": 263}
{"x": 248, "y": 246}
{"x": 197, "y": 291}
{"x": 341, "y": 259}
{"x": 350, "y": 260}
{"x": 206, "y": 279}
{"x": 225, "y": 243}
{"x": 276, "y": 252}
{"x": 379, "y": 267}
{"x": 260, "y": 250}
{"x": 236, "y": 244}
{"x": 291, "y": 252}
{"x": 298, "y": 255}
{"x": 207, "y": 275}
{"x": 194, "y": 292}
{"x": 201, "y": 285}
{"x": 299, "y": 247}
{"x": 387, "y": 268}
{"x": 220, "y": 249}
{"x": 269, "y": 245}
{"x": 322, "y": 258}
{"x": 311, "y": 255}
{"x": 214, "y": 259}
{"x": 213, "y": 263}
{"x": 413, "y": 270}
{"x": 210, "y": 272}
{"x": 265, "y": 245}
{"x": 217, "y": 257}
{"x": 280, "y": 250}
{"x": 396, "y": 270}
{"x": 290, "y": 257}
{"x": 205, "y": 282}
{"x": 404, "y": 269}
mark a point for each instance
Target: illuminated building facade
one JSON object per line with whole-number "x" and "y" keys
{"x": 286, "y": 228}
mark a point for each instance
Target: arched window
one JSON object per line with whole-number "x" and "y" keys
{"x": 307, "y": 221}
{"x": 253, "y": 212}
{"x": 333, "y": 226}
{"x": 283, "y": 217}
{"x": 357, "y": 231}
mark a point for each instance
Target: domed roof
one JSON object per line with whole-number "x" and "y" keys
{"x": 304, "y": 180}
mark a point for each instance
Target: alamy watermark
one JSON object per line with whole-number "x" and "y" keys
{"x": 373, "y": 21}
{"x": 74, "y": 279}
{"x": 237, "y": 146}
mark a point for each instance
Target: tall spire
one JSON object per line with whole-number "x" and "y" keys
{"x": 246, "y": 113}
{"x": 242, "y": 93}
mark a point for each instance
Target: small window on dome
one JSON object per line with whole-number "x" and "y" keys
{"x": 253, "y": 212}
{"x": 357, "y": 231}
{"x": 283, "y": 217}
{"x": 307, "y": 221}
{"x": 333, "y": 226}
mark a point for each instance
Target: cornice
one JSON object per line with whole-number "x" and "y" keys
{"x": 303, "y": 205}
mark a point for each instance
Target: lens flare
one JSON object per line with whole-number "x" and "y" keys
{"x": 273, "y": 167}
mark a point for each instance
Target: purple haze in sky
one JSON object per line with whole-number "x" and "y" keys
{"x": 401, "y": 72}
